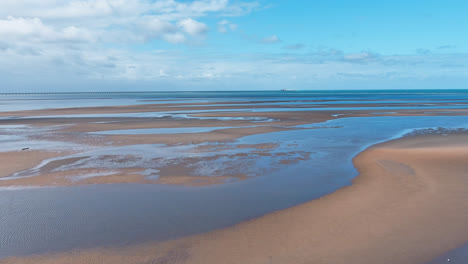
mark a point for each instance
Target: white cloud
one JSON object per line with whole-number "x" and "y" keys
{"x": 225, "y": 25}
{"x": 162, "y": 73}
{"x": 74, "y": 9}
{"x": 50, "y": 9}
{"x": 121, "y": 19}
{"x": 359, "y": 57}
{"x": 165, "y": 9}
{"x": 184, "y": 71}
{"x": 175, "y": 38}
{"x": 193, "y": 27}
{"x": 90, "y": 40}
{"x": 241, "y": 8}
{"x": 296, "y": 46}
{"x": 176, "y": 33}
{"x": 25, "y": 30}
{"x": 160, "y": 27}
{"x": 233, "y": 26}
{"x": 222, "y": 26}
{"x": 271, "y": 40}
{"x": 73, "y": 33}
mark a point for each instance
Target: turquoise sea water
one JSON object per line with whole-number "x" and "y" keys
{"x": 14, "y": 102}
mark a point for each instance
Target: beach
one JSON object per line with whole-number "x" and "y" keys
{"x": 88, "y": 126}
{"x": 408, "y": 205}
{"x": 376, "y": 180}
{"x": 233, "y": 131}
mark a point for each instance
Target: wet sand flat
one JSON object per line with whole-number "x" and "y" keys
{"x": 83, "y": 130}
{"x": 408, "y": 205}
{"x": 210, "y": 166}
{"x": 231, "y": 107}
{"x": 14, "y": 161}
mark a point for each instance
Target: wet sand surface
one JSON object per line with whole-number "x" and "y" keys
{"x": 168, "y": 170}
{"x": 408, "y": 205}
{"x": 34, "y": 165}
{"x": 148, "y": 108}
{"x": 14, "y": 161}
{"x": 89, "y": 133}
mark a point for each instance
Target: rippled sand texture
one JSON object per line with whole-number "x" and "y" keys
{"x": 407, "y": 205}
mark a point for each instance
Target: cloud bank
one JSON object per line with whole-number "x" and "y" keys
{"x": 94, "y": 45}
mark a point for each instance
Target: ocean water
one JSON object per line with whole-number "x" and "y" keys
{"x": 15, "y": 102}
{"x": 40, "y": 220}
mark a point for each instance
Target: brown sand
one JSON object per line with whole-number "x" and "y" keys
{"x": 13, "y": 161}
{"x": 201, "y": 107}
{"x": 75, "y": 130}
{"x": 149, "y": 108}
{"x": 194, "y": 138}
{"x": 86, "y": 124}
{"x": 408, "y": 205}
{"x": 180, "y": 173}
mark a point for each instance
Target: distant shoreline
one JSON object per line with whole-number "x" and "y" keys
{"x": 396, "y": 91}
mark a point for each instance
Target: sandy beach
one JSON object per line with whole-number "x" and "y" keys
{"x": 233, "y": 132}
{"x": 226, "y": 107}
{"x": 408, "y": 205}
{"x": 230, "y": 126}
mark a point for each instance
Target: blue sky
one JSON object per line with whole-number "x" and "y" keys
{"x": 115, "y": 45}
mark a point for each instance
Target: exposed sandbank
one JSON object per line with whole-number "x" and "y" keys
{"x": 408, "y": 205}
{"x": 13, "y": 161}
{"x": 79, "y": 131}
{"x": 208, "y": 107}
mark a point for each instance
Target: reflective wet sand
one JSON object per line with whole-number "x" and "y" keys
{"x": 407, "y": 206}
{"x": 168, "y": 170}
